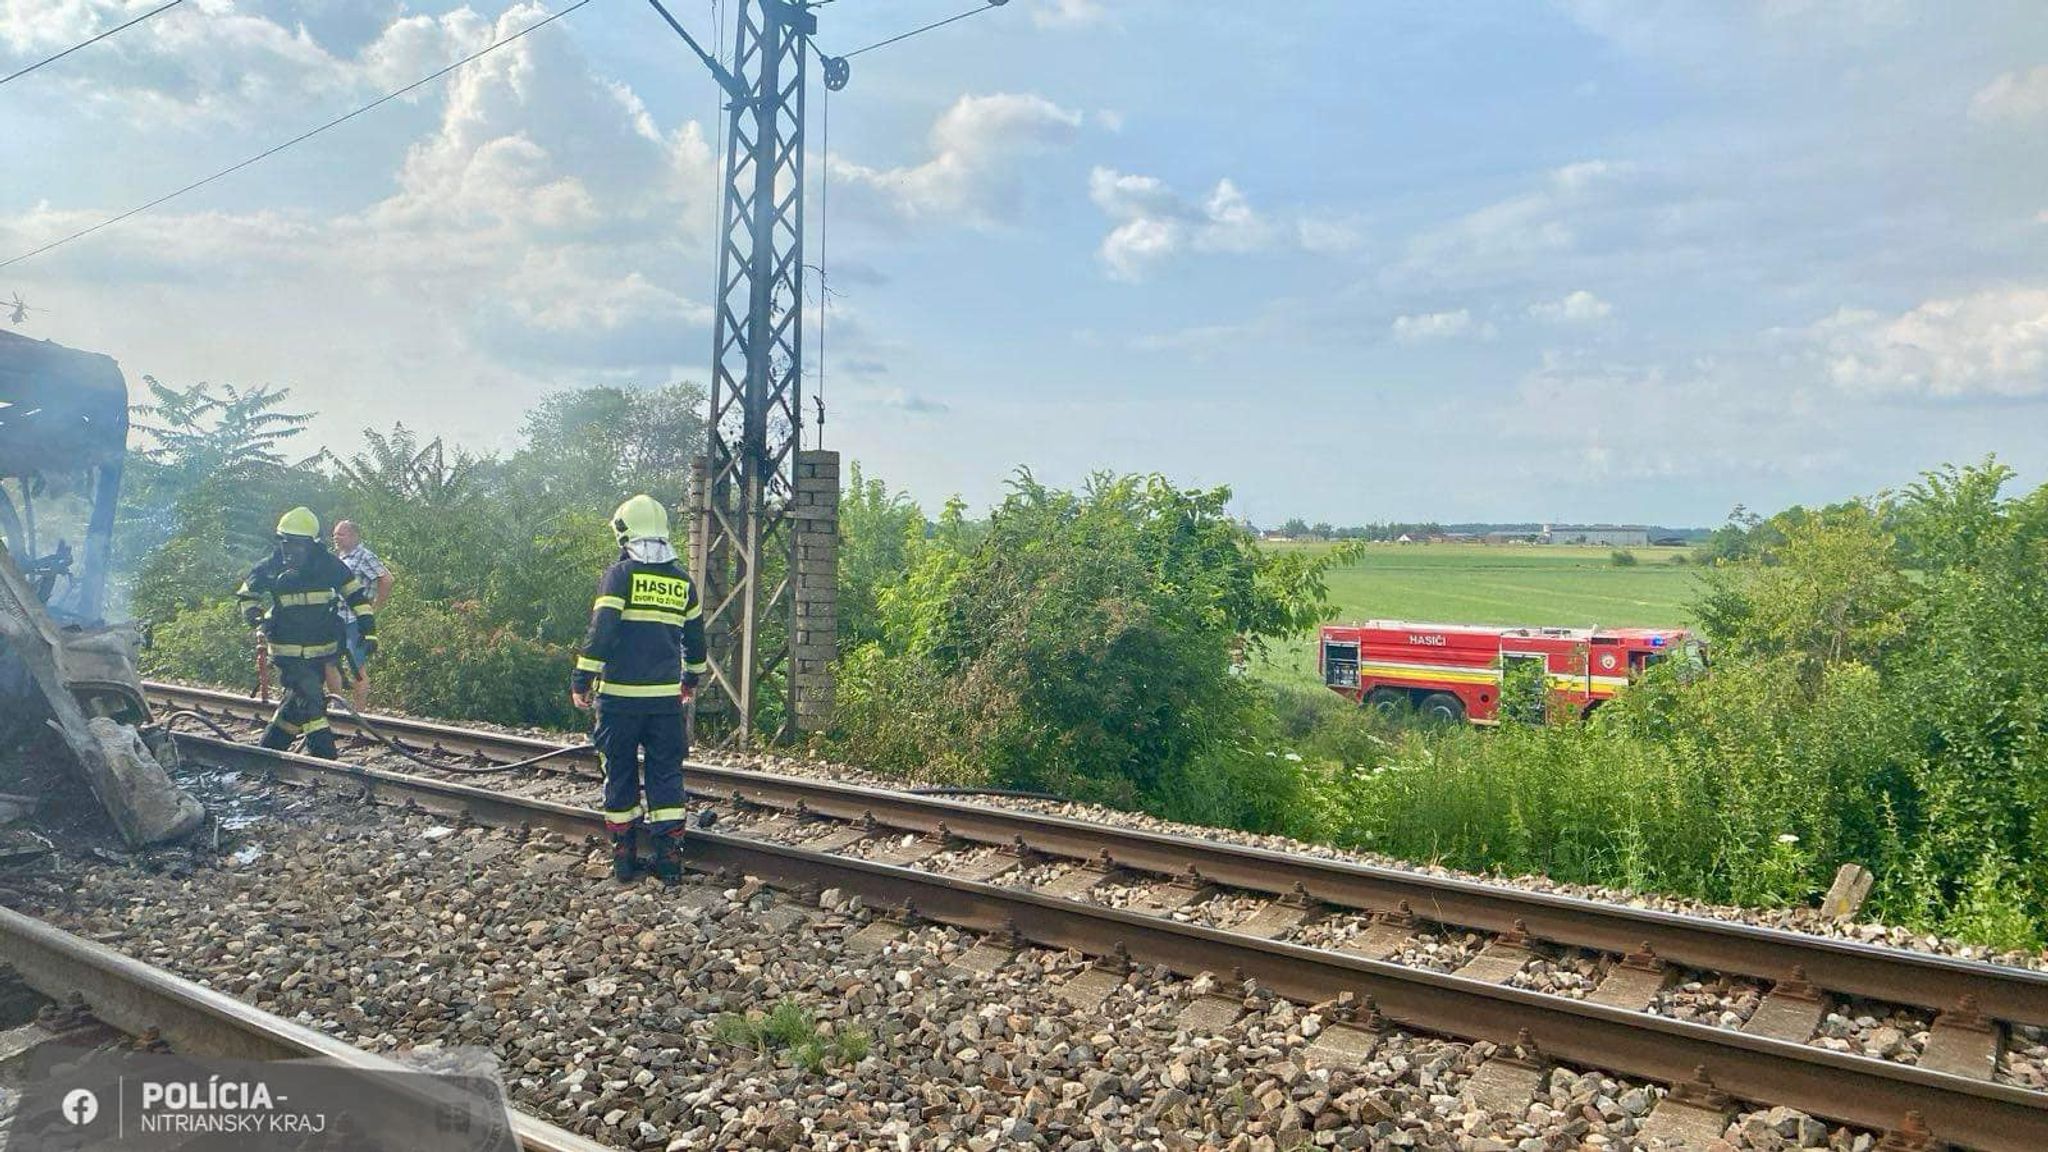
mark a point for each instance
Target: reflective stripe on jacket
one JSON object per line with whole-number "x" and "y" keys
{"x": 646, "y": 631}
{"x": 301, "y": 617}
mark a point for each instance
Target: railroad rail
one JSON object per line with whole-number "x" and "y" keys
{"x": 134, "y": 998}
{"x": 1705, "y": 1066}
{"x": 1843, "y": 967}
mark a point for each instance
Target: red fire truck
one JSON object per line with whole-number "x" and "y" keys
{"x": 1456, "y": 672}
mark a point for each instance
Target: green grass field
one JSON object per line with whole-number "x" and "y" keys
{"x": 1543, "y": 585}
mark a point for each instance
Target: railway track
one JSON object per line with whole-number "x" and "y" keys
{"x": 1838, "y": 967}
{"x": 879, "y": 844}
{"x": 97, "y": 993}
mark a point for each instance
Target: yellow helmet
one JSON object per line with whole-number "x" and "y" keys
{"x": 641, "y": 518}
{"x": 299, "y": 522}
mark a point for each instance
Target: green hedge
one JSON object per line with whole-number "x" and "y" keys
{"x": 443, "y": 660}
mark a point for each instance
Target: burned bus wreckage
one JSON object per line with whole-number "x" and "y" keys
{"x": 64, "y": 669}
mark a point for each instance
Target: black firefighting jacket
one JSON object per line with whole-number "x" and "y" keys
{"x": 646, "y": 638}
{"x": 301, "y": 621}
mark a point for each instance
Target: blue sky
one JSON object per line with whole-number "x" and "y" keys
{"x": 1590, "y": 261}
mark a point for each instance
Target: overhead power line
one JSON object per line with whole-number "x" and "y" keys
{"x": 89, "y": 43}
{"x": 302, "y": 137}
{"x": 921, "y": 31}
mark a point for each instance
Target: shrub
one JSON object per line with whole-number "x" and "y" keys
{"x": 451, "y": 660}
{"x": 1320, "y": 725}
{"x": 444, "y": 660}
{"x": 1858, "y": 710}
{"x": 1082, "y": 645}
{"x": 1740, "y": 787}
{"x": 1622, "y": 558}
{"x": 209, "y": 644}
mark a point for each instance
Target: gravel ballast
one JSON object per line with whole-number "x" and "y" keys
{"x": 607, "y": 1007}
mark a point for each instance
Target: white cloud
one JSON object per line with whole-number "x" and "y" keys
{"x": 1991, "y": 344}
{"x": 1326, "y": 235}
{"x": 545, "y": 224}
{"x": 217, "y": 60}
{"x": 1580, "y": 307}
{"x": 1068, "y": 13}
{"x": 1428, "y": 326}
{"x": 1514, "y": 234}
{"x": 413, "y": 46}
{"x": 1153, "y": 223}
{"x": 1583, "y": 174}
{"x": 976, "y": 172}
{"x": 2016, "y": 96}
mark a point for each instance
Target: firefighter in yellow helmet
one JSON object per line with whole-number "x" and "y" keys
{"x": 638, "y": 667}
{"x": 291, "y": 596}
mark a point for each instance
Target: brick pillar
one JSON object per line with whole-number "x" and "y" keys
{"x": 814, "y": 643}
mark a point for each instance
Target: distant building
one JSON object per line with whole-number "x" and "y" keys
{"x": 1600, "y": 536}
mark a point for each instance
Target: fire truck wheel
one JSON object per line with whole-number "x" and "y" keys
{"x": 1442, "y": 708}
{"x": 1387, "y": 702}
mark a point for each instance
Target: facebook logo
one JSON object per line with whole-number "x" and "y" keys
{"x": 80, "y": 1106}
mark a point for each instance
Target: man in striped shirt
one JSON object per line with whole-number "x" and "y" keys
{"x": 376, "y": 579}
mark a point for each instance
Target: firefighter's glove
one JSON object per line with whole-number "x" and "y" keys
{"x": 252, "y": 614}
{"x": 690, "y": 679}
{"x": 369, "y": 648}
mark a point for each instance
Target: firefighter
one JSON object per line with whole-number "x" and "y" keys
{"x": 303, "y": 582}
{"x": 638, "y": 668}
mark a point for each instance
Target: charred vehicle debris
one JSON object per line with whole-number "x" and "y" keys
{"x": 65, "y": 669}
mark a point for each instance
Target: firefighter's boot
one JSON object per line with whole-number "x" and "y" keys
{"x": 276, "y": 738}
{"x": 320, "y": 742}
{"x": 668, "y": 858}
{"x": 625, "y": 867}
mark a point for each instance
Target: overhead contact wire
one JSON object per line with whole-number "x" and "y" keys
{"x": 919, "y": 31}
{"x": 302, "y": 137}
{"x": 89, "y": 43}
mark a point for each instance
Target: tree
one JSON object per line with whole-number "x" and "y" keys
{"x": 426, "y": 514}
{"x": 398, "y": 467}
{"x": 1955, "y": 517}
{"x": 880, "y": 533}
{"x": 586, "y": 451}
{"x": 593, "y": 447}
{"x": 1910, "y": 629}
{"x": 1835, "y": 593}
{"x": 201, "y": 432}
{"x": 200, "y": 500}
{"x": 1972, "y": 680}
